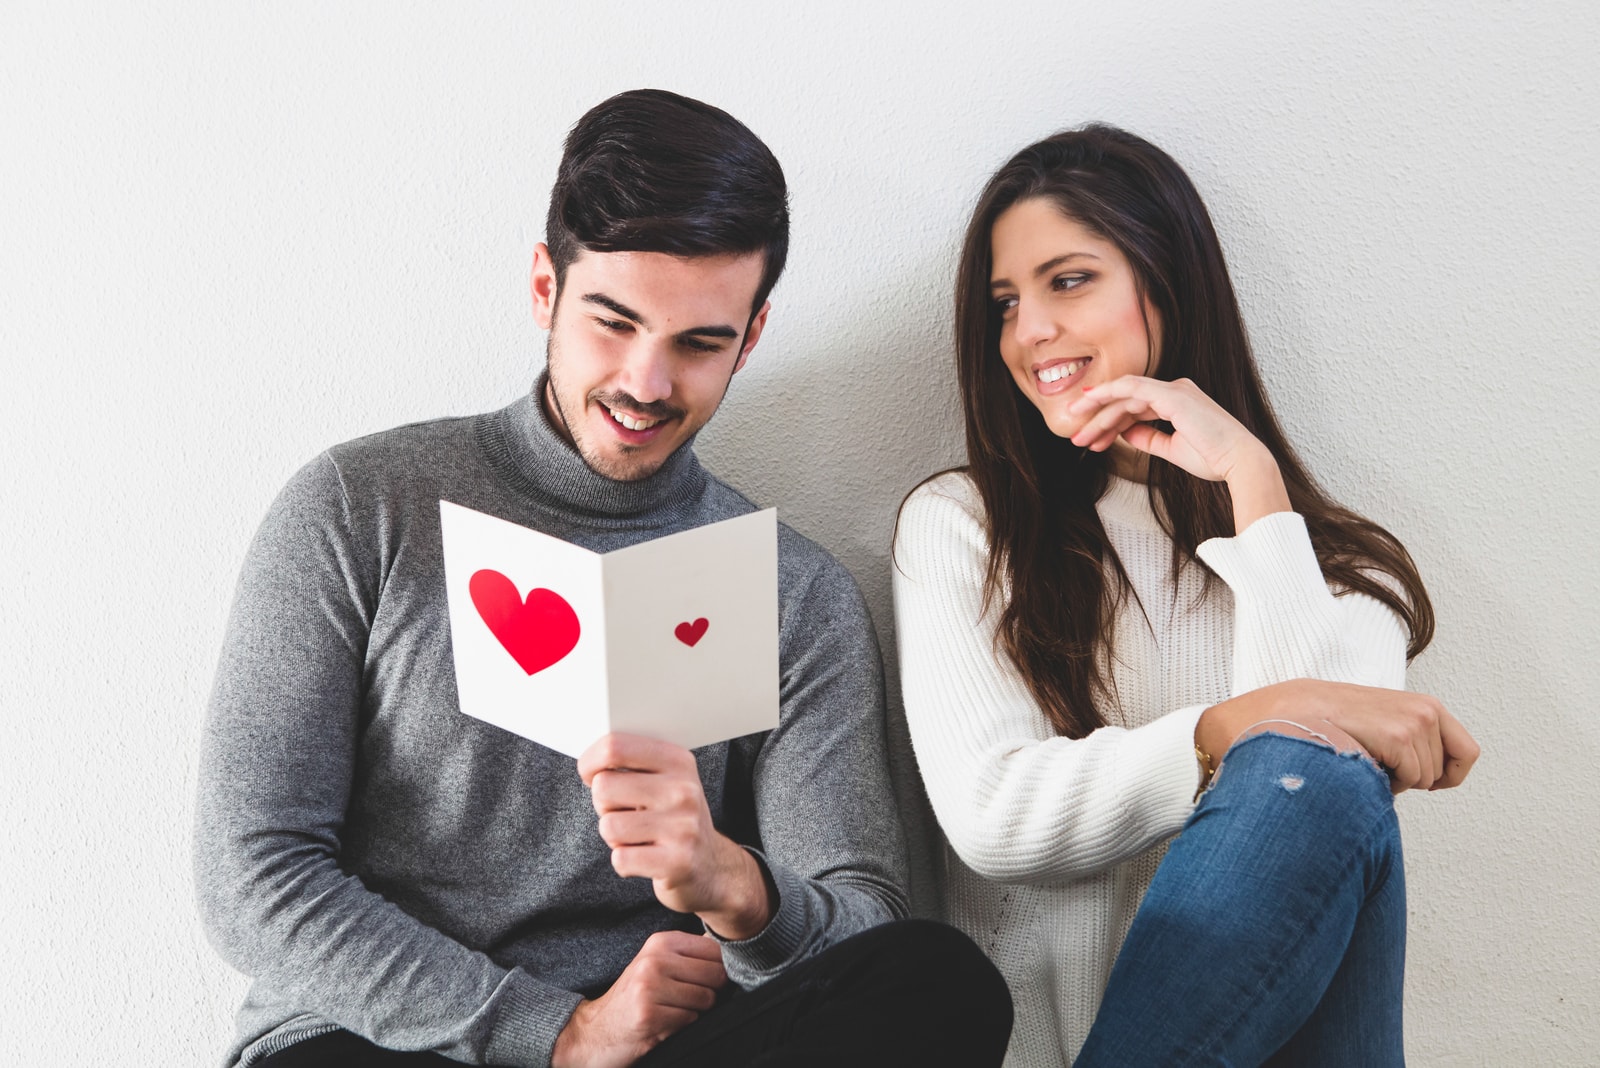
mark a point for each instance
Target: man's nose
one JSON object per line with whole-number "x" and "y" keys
{"x": 647, "y": 374}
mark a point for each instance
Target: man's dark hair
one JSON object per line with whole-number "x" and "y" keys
{"x": 652, "y": 171}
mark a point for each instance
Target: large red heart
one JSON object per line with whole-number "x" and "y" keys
{"x": 689, "y": 633}
{"x": 537, "y": 632}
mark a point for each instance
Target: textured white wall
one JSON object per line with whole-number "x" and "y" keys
{"x": 235, "y": 233}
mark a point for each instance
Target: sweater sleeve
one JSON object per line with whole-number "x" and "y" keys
{"x": 830, "y": 836}
{"x": 276, "y": 767}
{"x": 1017, "y": 802}
{"x": 1288, "y": 624}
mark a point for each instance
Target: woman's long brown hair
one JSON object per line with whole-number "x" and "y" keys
{"x": 1050, "y": 564}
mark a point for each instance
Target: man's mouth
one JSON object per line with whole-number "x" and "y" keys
{"x": 630, "y": 422}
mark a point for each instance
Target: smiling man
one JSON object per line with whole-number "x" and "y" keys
{"x": 406, "y": 885}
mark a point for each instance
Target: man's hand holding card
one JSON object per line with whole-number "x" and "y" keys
{"x": 653, "y": 815}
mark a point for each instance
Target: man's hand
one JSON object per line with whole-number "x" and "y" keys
{"x": 674, "y": 978}
{"x": 654, "y": 817}
{"x": 1411, "y": 734}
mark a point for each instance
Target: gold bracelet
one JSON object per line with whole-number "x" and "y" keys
{"x": 1206, "y": 768}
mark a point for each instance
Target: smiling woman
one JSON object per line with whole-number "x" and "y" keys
{"x": 1132, "y": 576}
{"x": 1085, "y": 320}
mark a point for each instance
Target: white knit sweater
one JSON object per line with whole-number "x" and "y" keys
{"x": 1051, "y": 842}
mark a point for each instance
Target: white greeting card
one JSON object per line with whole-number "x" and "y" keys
{"x": 675, "y": 638}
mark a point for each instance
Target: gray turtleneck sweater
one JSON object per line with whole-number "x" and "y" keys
{"x": 377, "y": 861}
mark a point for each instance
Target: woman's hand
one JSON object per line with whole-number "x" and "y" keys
{"x": 1205, "y": 440}
{"x": 1411, "y": 734}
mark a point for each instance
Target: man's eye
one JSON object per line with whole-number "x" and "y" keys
{"x": 616, "y": 326}
{"x": 694, "y": 345}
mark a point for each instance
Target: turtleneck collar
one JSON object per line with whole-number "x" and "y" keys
{"x": 524, "y": 448}
{"x": 1128, "y": 503}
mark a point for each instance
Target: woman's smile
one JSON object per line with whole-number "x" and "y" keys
{"x": 1071, "y": 314}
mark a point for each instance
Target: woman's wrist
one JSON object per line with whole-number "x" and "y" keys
{"x": 1256, "y": 486}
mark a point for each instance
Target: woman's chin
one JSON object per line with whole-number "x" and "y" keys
{"x": 1061, "y": 424}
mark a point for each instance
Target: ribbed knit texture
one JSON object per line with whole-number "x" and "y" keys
{"x": 377, "y": 861}
{"x": 1051, "y": 842}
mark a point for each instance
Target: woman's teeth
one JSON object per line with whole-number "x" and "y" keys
{"x": 632, "y": 423}
{"x": 1058, "y": 372}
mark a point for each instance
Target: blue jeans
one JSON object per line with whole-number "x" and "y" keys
{"x": 1274, "y": 930}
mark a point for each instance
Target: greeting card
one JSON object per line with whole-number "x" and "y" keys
{"x": 675, "y": 638}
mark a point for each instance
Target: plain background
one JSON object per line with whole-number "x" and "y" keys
{"x": 232, "y": 234}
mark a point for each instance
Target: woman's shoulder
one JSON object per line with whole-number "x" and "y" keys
{"x": 944, "y": 495}
{"x": 941, "y": 516}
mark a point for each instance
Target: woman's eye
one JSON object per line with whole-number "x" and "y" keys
{"x": 1063, "y": 282}
{"x": 1005, "y": 305}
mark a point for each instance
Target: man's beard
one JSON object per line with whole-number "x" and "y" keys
{"x": 621, "y": 468}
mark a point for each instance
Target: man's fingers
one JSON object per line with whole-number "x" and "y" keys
{"x": 679, "y": 957}
{"x": 642, "y": 861}
{"x": 631, "y": 828}
{"x": 684, "y": 944}
{"x": 631, "y": 752}
{"x": 615, "y": 791}
{"x": 701, "y": 974}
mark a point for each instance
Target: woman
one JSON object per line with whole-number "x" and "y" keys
{"x": 1132, "y": 576}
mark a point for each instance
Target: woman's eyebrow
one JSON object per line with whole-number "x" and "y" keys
{"x": 1046, "y": 267}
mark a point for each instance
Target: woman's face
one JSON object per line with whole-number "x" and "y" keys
{"x": 1070, "y": 313}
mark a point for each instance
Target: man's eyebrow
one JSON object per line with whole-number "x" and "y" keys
{"x": 1046, "y": 267}
{"x": 618, "y": 308}
{"x": 615, "y": 306}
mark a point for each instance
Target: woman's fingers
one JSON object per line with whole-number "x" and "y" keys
{"x": 1460, "y": 752}
{"x": 1112, "y": 419}
{"x": 1147, "y": 438}
{"x": 1206, "y": 441}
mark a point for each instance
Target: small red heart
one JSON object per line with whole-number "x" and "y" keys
{"x": 537, "y": 632}
{"x": 689, "y": 633}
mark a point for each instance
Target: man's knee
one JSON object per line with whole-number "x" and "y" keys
{"x": 943, "y": 962}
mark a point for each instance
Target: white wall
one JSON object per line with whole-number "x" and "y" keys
{"x": 235, "y": 233}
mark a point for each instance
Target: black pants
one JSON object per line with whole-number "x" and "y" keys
{"x": 908, "y": 993}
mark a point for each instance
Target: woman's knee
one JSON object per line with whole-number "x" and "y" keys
{"x": 1304, "y": 777}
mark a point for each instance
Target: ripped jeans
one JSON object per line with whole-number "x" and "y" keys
{"x": 1274, "y": 931}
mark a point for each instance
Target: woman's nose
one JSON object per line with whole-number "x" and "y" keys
{"x": 1034, "y": 322}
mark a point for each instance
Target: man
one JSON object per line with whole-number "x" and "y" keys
{"x": 407, "y": 884}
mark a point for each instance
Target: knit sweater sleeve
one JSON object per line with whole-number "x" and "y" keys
{"x": 276, "y": 770}
{"x": 1288, "y": 624}
{"x": 1017, "y": 802}
{"x": 830, "y": 837}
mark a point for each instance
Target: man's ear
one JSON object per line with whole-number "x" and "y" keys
{"x": 752, "y": 334}
{"x": 542, "y": 286}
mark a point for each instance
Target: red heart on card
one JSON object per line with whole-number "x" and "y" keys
{"x": 689, "y": 633}
{"x": 537, "y": 632}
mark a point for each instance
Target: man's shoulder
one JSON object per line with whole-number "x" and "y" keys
{"x": 374, "y": 482}
{"x": 410, "y": 450}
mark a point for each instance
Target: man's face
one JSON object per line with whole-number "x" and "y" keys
{"x": 642, "y": 347}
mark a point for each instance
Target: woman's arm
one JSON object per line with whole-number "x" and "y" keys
{"x": 1017, "y": 802}
{"x": 1288, "y": 625}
